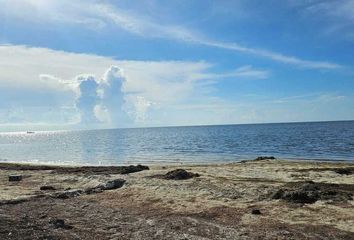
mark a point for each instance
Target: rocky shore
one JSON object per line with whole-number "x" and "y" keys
{"x": 261, "y": 199}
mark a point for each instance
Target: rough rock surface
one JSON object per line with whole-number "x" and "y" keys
{"x": 345, "y": 171}
{"x": 178, "y": 174}
{"x": 59, "y": 223}
{"x": 311, "y": 192}
{"x": 75, "y": 170}
{"x": 113, "y": 184}
{"x": 264, "y": 158}
{"x": 47, "y": 188}
{"x": 15, "y": 178}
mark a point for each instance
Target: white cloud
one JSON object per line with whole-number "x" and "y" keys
{"x": 97, "y": 15}
{"x": 87, "y": 99}
{"x": 139, "y": 108}
{"x": 41, "y": 87}
{"x": 241, "y": 72}
{"x": 111, "y": 94}
{"x": 335, "y": 17}
{"x": 47, "y": 86}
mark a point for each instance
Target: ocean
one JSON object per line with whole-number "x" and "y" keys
{"x": 175, "y": 145}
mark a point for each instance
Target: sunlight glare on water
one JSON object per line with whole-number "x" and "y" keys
{"x": 200, "y": 144}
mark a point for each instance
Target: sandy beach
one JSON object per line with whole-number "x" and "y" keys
{"x": 264, "y": 199}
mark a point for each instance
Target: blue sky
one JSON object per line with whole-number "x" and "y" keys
{"x": 92, "y": 64}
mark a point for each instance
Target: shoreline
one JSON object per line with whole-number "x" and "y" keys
{"x": 245, "y": 200}
{"x": 175, "y": 163}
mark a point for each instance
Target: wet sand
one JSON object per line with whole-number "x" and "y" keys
{"x": 266, "y": 199}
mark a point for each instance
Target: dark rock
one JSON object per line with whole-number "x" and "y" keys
{"x": 59, "y": 223}
{"x": 93, "y": 190}
{"x": 113, "y": 184}
{"x": 75, "y": 170}
{"x": 47, "y": 188}
{"x": 179, "y": 174}
{"x": 132, "y": 169}
{"x": 15, "y": 178}
{"x": 344, "y": 171}
{"x": 264, "y": 158}
{"x": 13, "y": 201}
{"x": 256, "y": 212}
{"x": 310, "y": 192}
{"x": 67, "y": 194}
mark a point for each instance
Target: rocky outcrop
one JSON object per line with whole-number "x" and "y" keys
{"x": 15, "y": 178}
{"x": 178, "y": 174}
{"x": 345, "y": 171}
{"x": 113, "y": 184}
{"x": 310, "y": 192}
{"x": 68, "y": 194}
{"x": 264, "y": 158}
{"x": 47, "y": 188}
{"x": 59, "y": 223}
{"x": 256, "y": 212}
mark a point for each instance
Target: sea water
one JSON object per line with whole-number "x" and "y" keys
{"x": 175, "y": 145}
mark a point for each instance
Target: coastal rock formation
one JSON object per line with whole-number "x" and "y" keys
{"x": 256, "y": 212}
{"x": 75, "y": 170}
{"x": 113, "y": 184}
{"x": 345, "y": 171}
{"x": 264, "y": 158}
{"x": 310, "y": 192}
{"x": 133, "y": 169}
{"x": 178, "y": 174}
{"x": 47, "y": 188}
{"x": 59, "y": 223}
{"x": 67, "y": 194}
{"x": 15, "y": 178}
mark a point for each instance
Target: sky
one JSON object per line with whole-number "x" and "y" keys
{"x": 74, "y": 64}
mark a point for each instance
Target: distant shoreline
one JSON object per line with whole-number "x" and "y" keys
{"x": 168, "y": 164}
{"x": 35, "y": 129}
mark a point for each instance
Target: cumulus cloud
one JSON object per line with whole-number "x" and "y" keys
{"x": 87, "y": 99}
{"x": 112, "y": 95}
{"x": 139, "y": 108}
{"x": 41, "y": 86}
{"x": 102, "y": 100}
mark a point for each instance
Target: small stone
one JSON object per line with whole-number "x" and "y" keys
{"x": 59, "y": 223}
{"x": 47, "y": 188}
{"x": 93, "y": 190}
{"x": 67, "y": 194}
{"x": 113, "y": 184}
{"x": 344, "y": 171}
{"x": 256, "y": 212}
{"x": 15, "y": 178}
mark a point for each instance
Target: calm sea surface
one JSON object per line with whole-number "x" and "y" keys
{"x": 201, "y": 144}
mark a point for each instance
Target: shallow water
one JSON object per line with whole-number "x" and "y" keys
{"x": 200, "y": 144}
